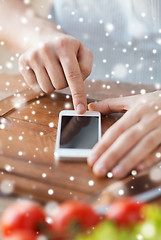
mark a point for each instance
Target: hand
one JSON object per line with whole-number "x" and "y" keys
{"x": 57, "y": 62}
{"x": 134, "y": 141}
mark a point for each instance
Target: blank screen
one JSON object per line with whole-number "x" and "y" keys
{"x": 79, "y": 132}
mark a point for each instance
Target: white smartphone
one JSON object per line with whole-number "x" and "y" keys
{"x": 77, "y": 134}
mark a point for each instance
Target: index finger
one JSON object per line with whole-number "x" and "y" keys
{"x": 74, "y": 78}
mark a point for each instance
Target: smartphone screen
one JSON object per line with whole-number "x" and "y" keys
{"x": 79, "y": 132}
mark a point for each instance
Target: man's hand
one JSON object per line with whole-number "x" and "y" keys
{"x": 57, "y": 62}
{"x": 134, "y": 141}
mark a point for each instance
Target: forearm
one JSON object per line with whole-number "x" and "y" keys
{"x": 59, "y": 61}
{"x": 20, "y": 27}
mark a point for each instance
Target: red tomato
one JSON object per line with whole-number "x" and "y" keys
{"x": 125, "y": 212}
{"x": 22, "y": 235}
{"x": 22, "y": 215}
{"x": 73, "y": 216}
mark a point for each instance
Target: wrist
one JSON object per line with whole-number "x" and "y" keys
{"x": 39, "y": 30}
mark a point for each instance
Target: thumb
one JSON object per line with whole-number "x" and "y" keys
{"x": 111, "y": 105}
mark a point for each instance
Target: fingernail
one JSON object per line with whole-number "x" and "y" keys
{"x": 91, "y": 105}
{"x": 99, "y": 169}
{"x": 80, "y": 108}
{"x": 118, "y": 171}
{"x": 92, "y": 159}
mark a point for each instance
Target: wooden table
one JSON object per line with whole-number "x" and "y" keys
{"x": 27, "y": 165}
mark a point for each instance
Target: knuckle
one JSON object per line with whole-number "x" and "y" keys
{"x": 21, "y": 60}
{"x": 65, "y": 44}
{"x": 23, "y": 67}
{"x": 86, "y": 71}
{"x": 33, "y": 57}
{"x": 133, "y": 135}
{"x": 144, "y": 107}
{"x": 155, "y": 118}
{"x": 90, "y": 54}
{"x": 78, "y": 95}
{"x": 61, "y": 43}
{"x": 141, "y": 108}
{"x": 130, "y": 158}
{"x": 72, "y": 76}
{"x": 150, "y": 141}
{"x": 60, "y": 85}
{"x": 119, "y": 129}
{"x": 45, "y": 49}
{"x": 31, "y": 83}
{"x": 113, "y": 155}
{"x": 47, "y": 89}
{"x": 126, "y": 169}
{"x": 149, "y": 106}
{"x": 21, "y": 63}
{"x": 140, "y": 128}
{"x": 101, "y": 146}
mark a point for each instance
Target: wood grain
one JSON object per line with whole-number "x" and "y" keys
{"x": 27, "y": 145}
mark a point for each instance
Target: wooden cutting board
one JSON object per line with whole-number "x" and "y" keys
{"x": 27, "y": 165}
